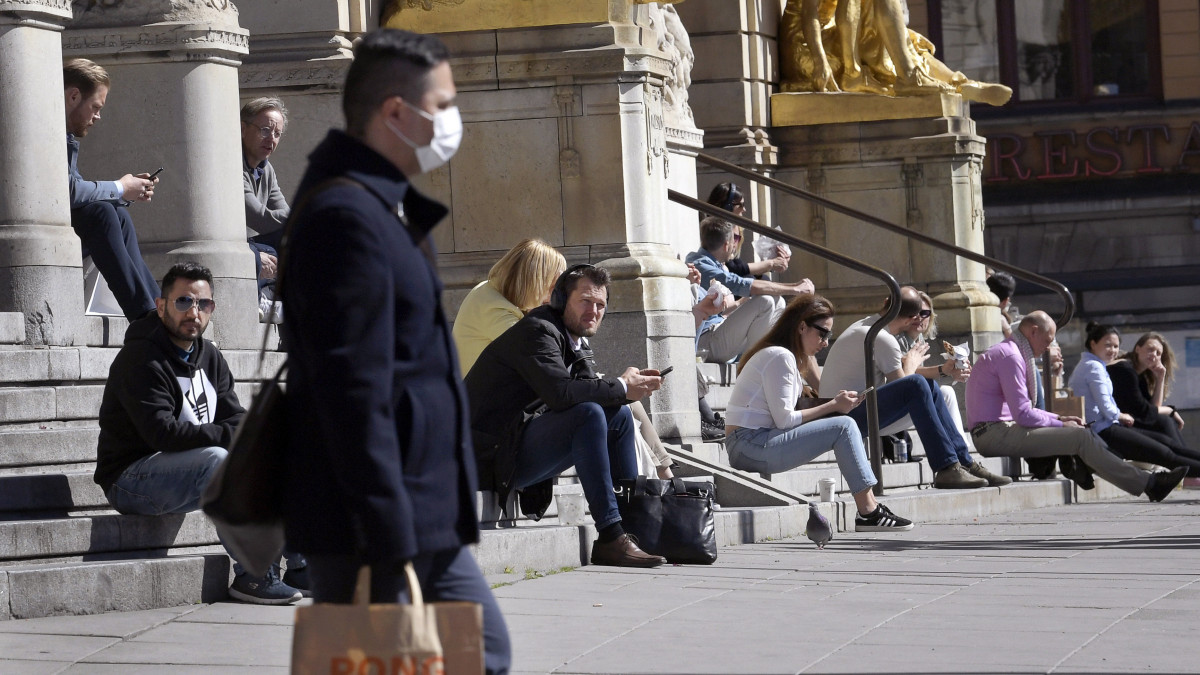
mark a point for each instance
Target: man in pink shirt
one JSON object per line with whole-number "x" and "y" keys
{"x": 1004, "y": 422}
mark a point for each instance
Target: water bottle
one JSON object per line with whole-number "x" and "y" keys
{"x": 900, "y": 447}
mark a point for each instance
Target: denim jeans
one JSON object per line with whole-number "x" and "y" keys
{"x": 172, "y": 482}
{"x": 597, "y": 441}
{"x": 777, "y": 450}
{"x": 451, "y": 575}
{"x": 921, "y": 399}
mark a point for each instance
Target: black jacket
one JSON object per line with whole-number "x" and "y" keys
{"x": 154, "y": 401}
{"x": 532, "y": 360}
{"x": 382, "y": 464}
{"x": 1131, "y": 394}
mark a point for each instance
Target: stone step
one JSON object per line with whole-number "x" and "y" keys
{"x": 12, "y": 328}
{"x": 50, "y": 491}
{"x": 46, "y": 444}
{"x": 104, "y": 331}
{"x": 33, "y": 366}
{"x": 34, "y": 535}
{"x": 147, "y": 580}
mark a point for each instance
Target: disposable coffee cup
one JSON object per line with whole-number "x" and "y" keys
{"x": 825, "y": 486}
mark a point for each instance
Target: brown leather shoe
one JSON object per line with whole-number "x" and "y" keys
{"x": 623, "y": 552}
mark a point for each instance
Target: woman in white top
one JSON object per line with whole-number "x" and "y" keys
{"x": 766, "y": 433}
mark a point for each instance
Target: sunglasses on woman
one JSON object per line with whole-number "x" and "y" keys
{"x": 821, "y": 330}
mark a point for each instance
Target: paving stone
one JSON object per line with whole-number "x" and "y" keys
{"x": 194, "y": 643}
{"x": 52, "y": 647}
{"x": 22, "y": 667}
{"x": 116, "y": 625}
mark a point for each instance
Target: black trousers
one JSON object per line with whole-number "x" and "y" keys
{"x": 1144, "y": 445}
{"x": 446, "y": 575}
{"x": 107, "y": 234}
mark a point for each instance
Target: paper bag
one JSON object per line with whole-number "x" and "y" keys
{"x": 417, "y": 639}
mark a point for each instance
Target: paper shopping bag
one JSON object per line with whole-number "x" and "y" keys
{"x": 417, "y": 639}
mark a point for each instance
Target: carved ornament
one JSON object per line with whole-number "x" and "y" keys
{"x": 198, "y": 42}
{"x": 114, "y": 13}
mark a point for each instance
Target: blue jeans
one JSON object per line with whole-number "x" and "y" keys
{"x": 107, "y": 234}
{"x": 777, "y": 450}
{"x": 172, "y": 482}
{"x": 597, "y": 441}
{"x": 921, "y": 399}
{"x": 450, "y": 575}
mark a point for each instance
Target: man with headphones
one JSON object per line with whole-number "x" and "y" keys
{"x": 538, "y": 407}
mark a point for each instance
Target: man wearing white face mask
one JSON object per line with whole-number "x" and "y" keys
{"x": 381, "y": 471}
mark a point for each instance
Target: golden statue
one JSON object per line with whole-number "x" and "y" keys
{"x": 866, "y": 46}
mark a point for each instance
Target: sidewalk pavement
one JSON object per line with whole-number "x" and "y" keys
{"x": 1092, "y": 587}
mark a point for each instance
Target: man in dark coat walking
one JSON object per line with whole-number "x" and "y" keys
{"x": 382, "y": 471}
{"x": 545, "y": 360}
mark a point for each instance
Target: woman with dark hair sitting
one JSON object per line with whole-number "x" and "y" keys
{"x": 1091, "y": 379}
{"x": 767, "y": 433}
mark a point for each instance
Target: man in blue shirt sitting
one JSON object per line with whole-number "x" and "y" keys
{"x": 726, "y": 336}
{"x": 98, "y": 213}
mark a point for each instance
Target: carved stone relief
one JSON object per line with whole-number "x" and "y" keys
{"x": 656, "y": 129}
{"x": 569, "y": 161}
{"x": 816, "y": 226}
{"x": 913, "y": 177}
{"x": 112, "y": 13}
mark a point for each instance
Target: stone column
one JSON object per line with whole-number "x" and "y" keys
{"x": 913, "y": 161}
{"x": 174, "y": 103}
{"x": 566, "y": 139}
{"x": 40, "y": 273}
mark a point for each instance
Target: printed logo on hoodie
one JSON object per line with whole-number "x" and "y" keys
{"x": 200, "y": 396}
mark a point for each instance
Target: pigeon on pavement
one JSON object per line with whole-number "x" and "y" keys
{"x": 818, "y": 529}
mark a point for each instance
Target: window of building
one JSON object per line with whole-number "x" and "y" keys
{"x": 1053, "y": 52}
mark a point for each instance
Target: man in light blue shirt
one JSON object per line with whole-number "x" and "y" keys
{"x": 98, "y": 213}
{"x": 726, "y": 336}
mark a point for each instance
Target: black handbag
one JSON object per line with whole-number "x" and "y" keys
{"x": 672, "y": 518}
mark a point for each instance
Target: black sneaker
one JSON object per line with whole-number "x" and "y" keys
{"x": 1162, "y": 482}
{"x": 711, "y": 433}
{"x": 881, "y": 520}
{"x": 298, "y": 579}
{"x": 267, "y": 590}
{"x": 1079, "y": 472}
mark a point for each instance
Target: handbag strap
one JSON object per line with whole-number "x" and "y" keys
{"x": 362, "y": 589}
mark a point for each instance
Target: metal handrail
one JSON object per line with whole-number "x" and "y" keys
{"x": 1018, "y": 272}
{"x": 846, "y": 261}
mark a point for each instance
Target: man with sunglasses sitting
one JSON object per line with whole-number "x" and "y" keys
{"x": 908, "y": 393}
{"x": 723, "y": 337}
{"x": 167, "y": 415}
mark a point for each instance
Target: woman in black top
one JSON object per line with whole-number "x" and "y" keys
{"x": 1141, "y": 379}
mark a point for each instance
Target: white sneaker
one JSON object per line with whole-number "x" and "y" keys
{"x": 269, "y": 311}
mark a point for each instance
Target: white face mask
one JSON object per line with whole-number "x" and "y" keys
{"x": 447, "y": 135}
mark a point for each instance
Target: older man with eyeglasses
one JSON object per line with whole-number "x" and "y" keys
{"x": 908, "y": 392}
{"x": 168, "y": 414}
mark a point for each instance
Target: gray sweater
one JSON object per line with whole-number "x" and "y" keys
{"x": 266, "y": 208}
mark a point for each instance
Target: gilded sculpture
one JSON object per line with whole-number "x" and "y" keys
{"x": 866, "y": 46}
